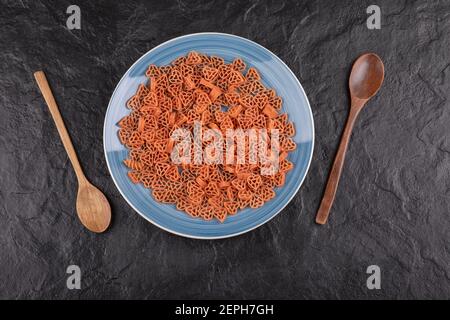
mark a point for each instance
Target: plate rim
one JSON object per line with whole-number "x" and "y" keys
{"x": 231, "y": 234}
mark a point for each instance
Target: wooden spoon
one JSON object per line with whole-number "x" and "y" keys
{"x": 92, "y": 206}
{"x": 365, "y": 80}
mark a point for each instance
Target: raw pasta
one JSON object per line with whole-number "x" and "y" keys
{"x": 220, "y": 96}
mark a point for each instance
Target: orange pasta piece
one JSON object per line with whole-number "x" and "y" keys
{"x": 254, "y": 181}
{"x": 245, "y": 194}
{"x": 239, "y": 184}
{"x": 289, "y": 129}
{"x": 214, "y": 94}
{"x": 270, "y": 111}
{"x": 133, "y": 175}
{"x": 256, "y": 202}
{"x": 252, "y": 74}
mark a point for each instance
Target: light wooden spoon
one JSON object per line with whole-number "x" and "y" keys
{"x": 365, "y": 80}
{"x": 92, "y": 206}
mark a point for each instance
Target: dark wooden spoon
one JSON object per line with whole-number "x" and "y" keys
{"x": 365, "y": 80}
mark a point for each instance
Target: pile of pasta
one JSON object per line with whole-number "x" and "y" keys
{"x": 221, "y": 96}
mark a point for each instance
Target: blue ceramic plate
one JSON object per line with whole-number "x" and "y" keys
{"x": 275, "y": 74}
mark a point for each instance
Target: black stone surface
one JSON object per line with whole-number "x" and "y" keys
{"x": 393, "y": 203}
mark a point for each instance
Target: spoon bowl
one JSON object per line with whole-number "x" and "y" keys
{"x": 366, "y": 77}
{"x": 93, "y": 208}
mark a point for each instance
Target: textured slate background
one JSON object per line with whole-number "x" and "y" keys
{"x": 392, "y": 206}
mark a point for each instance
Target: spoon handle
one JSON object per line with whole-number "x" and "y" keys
{"x": 65, "y": 138}
{"x": 336, "y": 170}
